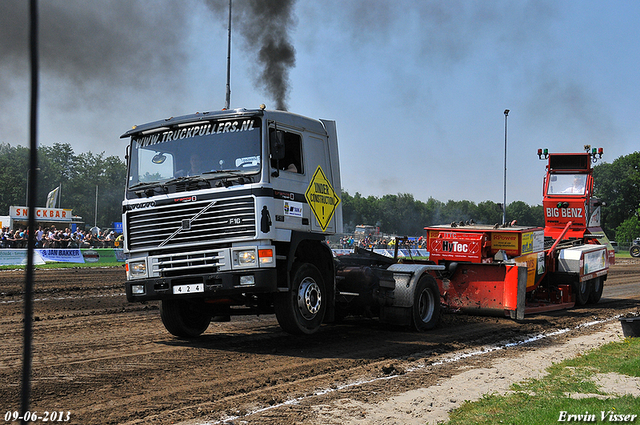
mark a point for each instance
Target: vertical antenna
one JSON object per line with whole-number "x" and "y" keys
{"x": 228, "y": 98}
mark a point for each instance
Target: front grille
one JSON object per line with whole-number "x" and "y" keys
{"x": 196, "y": 262}
{"x": 191, "y": 223}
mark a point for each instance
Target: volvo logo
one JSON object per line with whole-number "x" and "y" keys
{"x": 141, "y": 205}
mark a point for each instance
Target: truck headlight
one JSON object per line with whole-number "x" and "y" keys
{"x": 137, "y": 269}
{"x": 245, "y": 258}
{"x": 253, "y": 257}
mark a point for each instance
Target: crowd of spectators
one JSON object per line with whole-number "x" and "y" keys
{"x": 50, "y": 237}
{"x": 384, "y": 242}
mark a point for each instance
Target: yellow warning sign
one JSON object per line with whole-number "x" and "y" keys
{"x": 321, "y": 198}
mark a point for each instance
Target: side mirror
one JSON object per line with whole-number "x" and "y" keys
{"x": 276, "y": 143}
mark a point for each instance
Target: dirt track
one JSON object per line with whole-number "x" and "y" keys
{"x": 109, "y": 362}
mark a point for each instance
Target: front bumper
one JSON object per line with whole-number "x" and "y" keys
{"x": 214, "y": 285}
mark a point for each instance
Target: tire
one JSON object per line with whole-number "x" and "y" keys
{"x": 426, "y": 304}
{"x": 301, "y": 310}
{"x": 635, "y": 251}
{"x": 582, "y": 290}
{"x": 597, "y": 285}
{"x": 183, "y": 320}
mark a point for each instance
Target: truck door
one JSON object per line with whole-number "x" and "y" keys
{"x": 320, "y": 193}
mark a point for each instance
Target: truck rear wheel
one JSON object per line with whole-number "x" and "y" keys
{"x": 596, "y": 290}
{"x": 426, "y": 304}
{"x": 583, "y": 291}
{"x": 301, "y": 310}
{"x": 635, "y": 251}
{"x": 182, "y": 320}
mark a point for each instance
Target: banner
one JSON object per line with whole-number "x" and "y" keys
{"x": 16, "y": 257}
{"x": 102, "y": 255}
{"x": 42, "y": 214}
{"x": 52, "y": 198}
{"x": 61, "y": 255}
{"x": 388, "y": 252}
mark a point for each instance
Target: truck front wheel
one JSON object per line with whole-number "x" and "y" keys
{"x": 635, "y": 251}
{"x": 183, "y": 320}
{"x": 301, "y": 310}
{"x": 426, "y": 304}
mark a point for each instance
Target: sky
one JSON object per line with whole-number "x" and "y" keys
{"x": 417, "y": 88}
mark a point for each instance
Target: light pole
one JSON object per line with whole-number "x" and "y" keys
{"x": 95, "y": 217}
{"x": 504, "y": 199}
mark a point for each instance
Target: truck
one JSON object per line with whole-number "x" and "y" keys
{"x": 516, "y": 270}
{"x": 363, "y": 231}
{"x": 228, "y": 213}
{"x": 634, "y": 250}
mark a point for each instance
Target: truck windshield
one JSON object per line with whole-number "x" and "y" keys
{"x": 207, "y": 149}
{"x": 571, "y": 184}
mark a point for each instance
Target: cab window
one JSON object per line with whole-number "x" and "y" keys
{"x": 292, "y": 161}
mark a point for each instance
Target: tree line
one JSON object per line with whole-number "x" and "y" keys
{"x": 78, "y": 175}
{"x": 617, "y": 184}
{"x": 403, "y": 215}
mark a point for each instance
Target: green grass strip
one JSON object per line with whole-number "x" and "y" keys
{"x": 545, "y": 400}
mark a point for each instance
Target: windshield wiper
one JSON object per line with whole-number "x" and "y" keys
{"x": 187, "y": 179}
{"x": 232, "y": 172}
{"x": 143, "y": 185}
{"x": 148, "y": 188}
{"x": 236, "y": 174}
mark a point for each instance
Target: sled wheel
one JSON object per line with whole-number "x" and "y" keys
{"x": 635, "y": 251}
{"x": 183, "y": 320}
{"x": 301, "y": 310}
{"x": 597, "y": 285}
{"x": 582, "y": 290}
{"x": 426, "y": 304}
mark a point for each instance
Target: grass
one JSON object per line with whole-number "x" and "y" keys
{"x": 542, "y": 401}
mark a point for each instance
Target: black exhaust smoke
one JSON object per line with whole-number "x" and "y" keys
{"x": 265, "y": 27}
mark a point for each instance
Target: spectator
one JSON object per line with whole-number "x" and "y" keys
{"x": 3, "y": 233}
{"x": 89, "y": 240}
{"x": 14, "y": 239}
{"x": 20, "y": 238}
{"x": 110, "y": 240}
{"x": 51, "y": 237}
{"x": 102, "y": 239}
{"x": 54, "y": 238}
{"x": 65, "y": 238}
{"x": 74, "y": 240}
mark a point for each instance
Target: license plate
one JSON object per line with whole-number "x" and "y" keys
{"x": 188, "y": 289}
